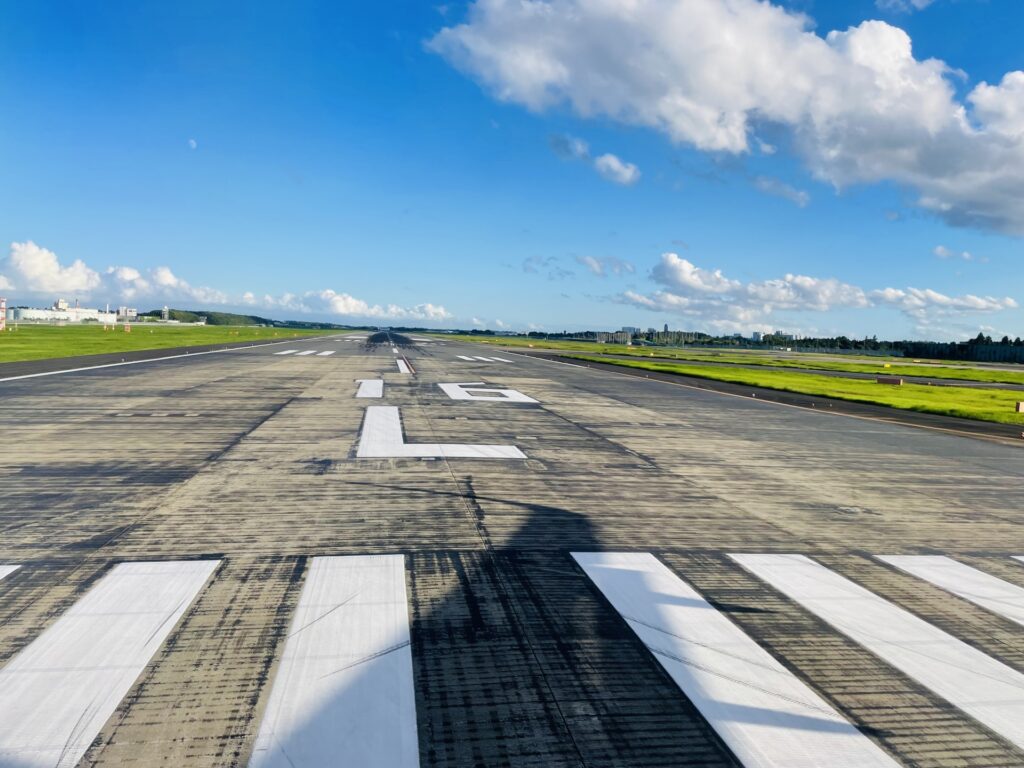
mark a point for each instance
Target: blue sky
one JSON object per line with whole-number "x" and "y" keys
{"x": 563, "y": 164}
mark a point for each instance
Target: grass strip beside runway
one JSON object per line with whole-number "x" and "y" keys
{"x": 809, "y": 361}
{"x": 980, "y": 404}
{"x": 43, "y": 342}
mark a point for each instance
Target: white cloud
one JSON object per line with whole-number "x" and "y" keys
{"x": 192, "y": 143}
{"x": 730, "y": 305}
{"x": 609, "y": 166}
{"x": 779, "y": 188}
{"x": 614, "y": 169}
{"x": 38, "y": 271}
{"x": 947, "y": 253}
{"x": 860, "y": 107}
{"x": 603, "y": 266}
{"x": 34, "y": 269}
{"x": 903, "y": 6}
{"x": 677, "y": 272}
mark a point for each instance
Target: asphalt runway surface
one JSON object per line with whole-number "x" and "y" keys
{"x": 297, "y": 554}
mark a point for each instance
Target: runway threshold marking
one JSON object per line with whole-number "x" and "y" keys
{"x": 501, "y": 359}
{"x": 57, "y": 693}
{"x": 485, "y": 359}
{"x": 328, "y": 353}
{"x": 306, "y": 352}
{"x": 344, "y": 690}
{"x": 381, "y": 438}
{"x": 982, "y": 589}
{"x": 370, "y": 388}
{"x": 464, "y": 357}
{"x": 986, "y": 689}
{"x": 287, "y": 352}
{"x": 7, "y": 570}
{"x": 403, "y": 367}
{"x": 766, "y": 715}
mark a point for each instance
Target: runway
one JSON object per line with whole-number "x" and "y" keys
{"x": 315, "y": 550}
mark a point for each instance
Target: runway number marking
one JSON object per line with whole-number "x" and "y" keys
{"x": 381, "y": 438}
{"x": 344, "y": 692}
{"x": 766, "y": 715}
{"x": 986, "y": 689}
{"x": 57, "y": 693}
{"x": 478, "y": 391}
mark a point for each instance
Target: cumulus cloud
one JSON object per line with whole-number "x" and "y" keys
{"x": 609, "y": 166}
{"x": 731, "y": 305}
{"x": 859, "y": 106}
{"x": 605, "y": 266}
{"x": 779, "y": 188}
{"x": 34, "y": 269}
{"x": 614, "y": 169}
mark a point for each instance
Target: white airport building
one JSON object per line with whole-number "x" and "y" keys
{"x": 60, "y": 312}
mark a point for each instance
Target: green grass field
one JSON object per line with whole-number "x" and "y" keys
{"x": 808, "y": 361}
{"x": 981, "y": 404}
{"x": 39, "y": 342}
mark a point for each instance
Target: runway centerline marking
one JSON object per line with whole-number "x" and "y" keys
{"x": 986, "y": 689}
{"x": 57, "y": 693}
{"x": 479, "y": 392}
{"x": 989, "y": 592}
{"x": 403, "y": 367}
{"x": 370, "y": 388}
{"x": 344, "y": 689}
{"x": 725, "y": 673}
{"x": 381, "y": 438}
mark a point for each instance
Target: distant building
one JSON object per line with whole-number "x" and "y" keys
{"x": 165, "y": 313}
{"x": 127, "y": 313}
{"x": 756, "y": 337}
{"x": 616, "y": 337}
{"x": 666, "y": 327}
{"x": 630, "y": 329}
{"x": 61, "y": 312}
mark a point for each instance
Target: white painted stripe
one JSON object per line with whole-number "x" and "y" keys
{"x": 381, "y": 437}
{"x": 501, "y": 359}
{"x": 287, "y": 352}
{"x": 485, "y": 359}
{"x": 980, "y": 588}
{"x": 463, "y": 357}
{"x": 57, "y": 693}
{"x": 140, "y": 362}
{"x": 395, "y": 350}
{"x": 403, "y": 367}
{"x": 306, "y": 352}
{"x": 986, "y": 689}
{"x": 344, "y": 693}
{"x": 7, "y": 570}
{"x": 370, "y": 388}
{"x": 761, "y": 710}
{"x": 325, "y": 354}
